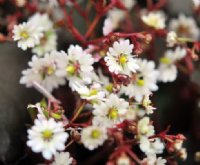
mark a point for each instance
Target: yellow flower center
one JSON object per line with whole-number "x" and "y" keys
{"x": 95, "y": 134}
{"x": 47, "y": 134}
{"x": 113, "y": 113}
{"x": 70, "y": 69}
{"x": 93, "y": 92}
{"x": 123, "y": 59}
{"x": 24, "y": 35}
{"x": 109, "y": 87}
{"x": 140, "y": 82}
{"x": 165, "y": 60}
{"x": 153, "y": 21}
{"x": 50, "y": 70}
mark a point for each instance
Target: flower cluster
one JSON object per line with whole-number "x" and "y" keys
{"x": 112, "y": 76}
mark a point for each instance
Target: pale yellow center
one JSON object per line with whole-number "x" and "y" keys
{"x": 109, "y": 87}
{"x": 95, "y": 134}
{"x": 47, "y": 134}
{"x": 24, "y": 35}
{"x": 70, "y": 69}
{"x": 122, "y": 59}
{"x": 165, "y": 60}
{"x": 113, "y": 114}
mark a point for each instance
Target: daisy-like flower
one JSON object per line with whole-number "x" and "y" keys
{"x": 93, "y": 137}
{"x": 154, "y": 19}
{"x": 119, "y": 58}
{"x": 151, "y": 146}
{"x": 47, "y": 44}
{"x": 167, "y": 68}
{"x": 43, "y": 71}
{"x": 76, "y": 66}
{"x": 92, "y": 91}
{"x": 144, "y": 127}
{"x": 110, "y": 112}
{"x": 27, "y": 34}
{"x": 185, "y": 27}
{"x": 47, "y": 137}
{"x": 143, "y": 81}
{"x": 153, "y": 160}
{"x": 41, "y": 20}
{"x": 171, "y": 38}
{"x": 62, "y": 158}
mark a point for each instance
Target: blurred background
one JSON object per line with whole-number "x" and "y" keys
{"x": 178, "y": 103}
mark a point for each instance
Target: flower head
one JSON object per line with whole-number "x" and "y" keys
{"x": 93, "y": 137}
{"x": 27, "y": 34}
{"x": 47, "y": 137}
{"x": 119, "y": 58}
{"x": 62, "y": 158}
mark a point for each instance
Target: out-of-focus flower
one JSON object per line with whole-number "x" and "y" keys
{"x": 27, "y": 35}
{"x": 93, "y": 137}
{"x": 144, "y": 127}
{"x": 146, "y": 103}
{"x": 76, "y": 66}
{"x": 167, "y": 68}
{"x": 20, "y": 3}
{"x": 47, "y": 136}
{"x": 182, "y": 154}
{"x": 119, "y": 58}
{"x": 110, "y": 112}
{"x": 151, "y": 146}
{"x": 155, "y": 19}
{"x": 43, "y": 71}
{"x": 196, "y": 3}
{"x": 185, "y": 27}
{"x": 62, "y": 158}
{"x": 41, "y": 20}
{"x": 108, "y": 27}
{"x": 171, "y": 38}
{"x": 143, "y": 81}
{"x": 123, "y": 160}
{"x": 153, "y": 160}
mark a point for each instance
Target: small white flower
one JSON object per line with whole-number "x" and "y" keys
{"x": 110, "y": 112}
{"x": 123, "y": 160}
{"x": 27, "y": 34}
{"x": 107, "y": 27}
{"x": 76, "y": 66}
{"x": 20, "y": 3}
{"x": 119, "y": 58}
{"x": 47, "y": 44}
{"x": 90, "y": 92}
{"x": 93, "y": 137}
{"x": 155, "y": 19}
{"x": 146, "y": 102}
{"x": 151, "y": 146}
{"x": 185, "y": 27}
{"x": 47, "y": 137}
{"x": 196, "y": 3}
{"x": 41, "y": 20}
{"x": 171, "y": 38}
{"x": 183, "y": 154}
{"x": 128, "y": 3}
{"x": 153, "y": 160}
{"x": 144, "y": 127}
{"x": 167, "y": 68}
{"x": 62, "y": 158}
{"x": 43, "y": 71}
{"x": 143, "y": 81}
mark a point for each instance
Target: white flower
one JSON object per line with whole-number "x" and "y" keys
{"x": 47, "y": 44}
{"x": 171, "y": 38}
{"x": 144, "y": 127}
{"x": 128, "y": 3}
{"x": 107, "y": 27}
{"x": 76, "y": 66}
{"x": 153, "y": 160}
{"x": 167, "y": 68}
{"x": 43, "y": 71}
{"x": 183, "y": 154}
{"x": 119, "y": 58}
{"x": 155, "y": 19}
{"x": 143, "y": 81}
{"x": 27, "y": 34}
{"x": 151, "y": 146}
{"x": 47, "y": 137}
{"x": 93, "y": 137}
{"x": 146, "y": 102}
{"x": 196, "y": 3}
{"x": 62, "y": 158}
{"x": 110, "y": 112}
{"x": 20, "y": 3}
{"x": 185, "y": 27}
{"x": 41, "y": 20}
{"x": 123, "y": 160}
{"x": 90, "y": 92}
